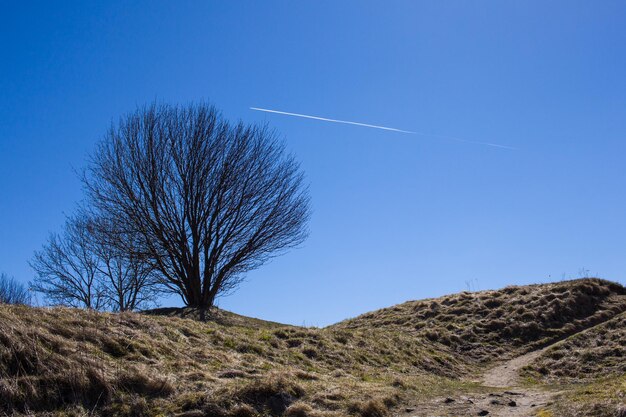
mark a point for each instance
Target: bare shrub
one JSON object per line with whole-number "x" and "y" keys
{"x": 67, "y": 269}
{"x": 12, "y": 291}
{"x": 93, "y": 266}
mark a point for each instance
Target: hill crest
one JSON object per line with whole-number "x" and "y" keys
{"x": 490, "y": 324}
{"x": 61, "y": 361}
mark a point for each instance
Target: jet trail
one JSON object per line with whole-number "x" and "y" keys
{"x": 393, "y": 129}
{"x": 333, "y": 120}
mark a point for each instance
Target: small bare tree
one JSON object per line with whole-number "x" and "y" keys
{"x": 67, "y": 268}
{"x": 129, "y": 282}
{"x": 12, "y": 291}
{"x": 92, "y": 265}
{"x": 205, "y": 200}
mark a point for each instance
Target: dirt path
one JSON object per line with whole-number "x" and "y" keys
{"x": 507, "y": 374}
{"x": 514, "y": 403}
{"x": 505, "y": 397}
{"x": 502, "y": 393}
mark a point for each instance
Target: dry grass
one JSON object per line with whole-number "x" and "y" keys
{"x": 490, "y": 325}
{"x": 215, "y": 315}
{"x": 597, "y": 352}
{"x": 55, "y": 360}
{"x": 602, "y": 398}
{"x": 72, "y": 362}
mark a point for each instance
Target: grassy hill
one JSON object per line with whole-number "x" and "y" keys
{"x": 595, "y": 353}
{"x": 489, "y": 325}
{"x": 74, "y": 361}
{"x": 216, "y": 315}
{"x": 62, "y": 361}
{"x": 593, "y": 363}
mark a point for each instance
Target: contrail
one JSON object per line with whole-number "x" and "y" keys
{"x": 332, "y": 120}
{"x": 393, "y": 129}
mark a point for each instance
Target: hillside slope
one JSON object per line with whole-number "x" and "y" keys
{"x": 62, "y": 361}
{"x": 54, "y": 360}
{"x": 595, "y": 353}
{"x": 592, "y": 364}
{"x": 490, "y": 325}
{"x": 215, "y": 315}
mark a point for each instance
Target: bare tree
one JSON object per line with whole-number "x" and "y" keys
{"x": 13, "y": 292}
{"x": 93, "y": 265}
{"x": 206, "y": 200}
{"x": 128, "y": 281}
{"x": 67, "y": 268}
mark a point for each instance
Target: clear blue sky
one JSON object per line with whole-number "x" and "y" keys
{"x": 396, "y": 216}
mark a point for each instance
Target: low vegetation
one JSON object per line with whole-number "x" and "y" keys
{"x": 65, "y": 362}
{"x": 76, "y": 360}
{"x": 490, "y": 325}
{"x": 592, "y": 364}
{"x": 598, "y": 352}
{"x": 605, "y": 397}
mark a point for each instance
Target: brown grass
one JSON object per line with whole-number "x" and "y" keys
{"x": 66, "y": 362}
{"x": 490, "y": 325}
{"x": 595, "y": 353}
{"x": 604, "y": 397}
{"x": 55, "y": 360}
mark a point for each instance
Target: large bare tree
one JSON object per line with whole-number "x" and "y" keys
{"x": 206, "y": 200}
